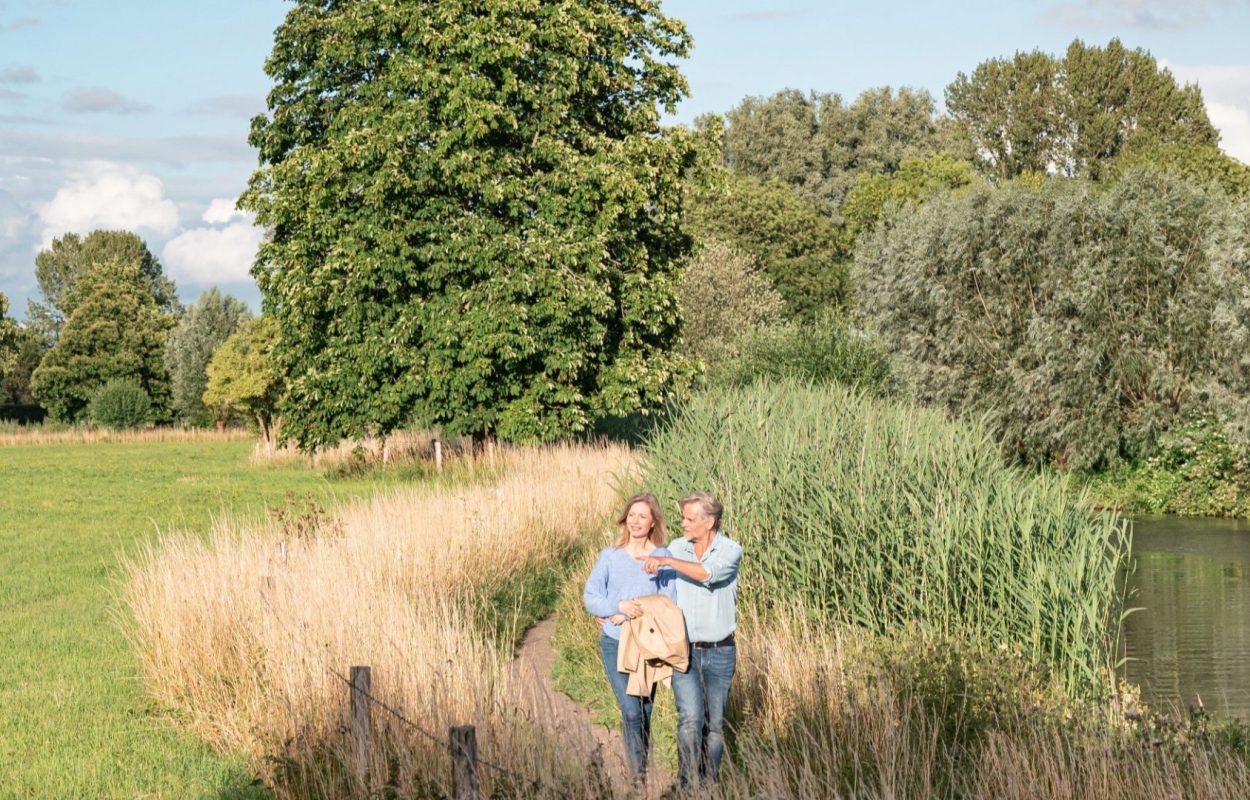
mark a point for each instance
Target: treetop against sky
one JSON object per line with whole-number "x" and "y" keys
{"x": 135, "y": 115}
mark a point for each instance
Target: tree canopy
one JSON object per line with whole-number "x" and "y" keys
{"x": 1073, "y": 115}
{"x": 205, "y": 324}
{"x": 8, "y": 339}
{"x": 915, "y": 180}
{"x": 475, "y": 214}
{"x": 115, "y": 330}
{"x": 818, "y": 145}
{"x": 792, "y": 241}
{"x": 59, "y": 267}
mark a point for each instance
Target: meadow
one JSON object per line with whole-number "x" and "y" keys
{"x": 179, "y": 617}
{"x": 76, "y": 719}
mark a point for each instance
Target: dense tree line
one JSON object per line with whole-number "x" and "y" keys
{"x": 108, "y": 327}
{"x": 504, "y": 240}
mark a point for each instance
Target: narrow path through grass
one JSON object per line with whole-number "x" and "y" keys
{"x": 73, "y": 718}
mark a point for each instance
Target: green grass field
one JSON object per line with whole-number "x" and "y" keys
{"x": 74, "y": 722}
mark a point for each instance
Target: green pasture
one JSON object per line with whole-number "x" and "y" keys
{"x": 74, "y": 722}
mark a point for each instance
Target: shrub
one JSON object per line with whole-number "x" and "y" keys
{"x": 121, "y": 403}
{"x": 723, "y": 298}
{"x": 826, "y": 351}
{"x": 879, "y": 514}
{"x": 1081, "y": 323}
{"x": 1197, "y": 471}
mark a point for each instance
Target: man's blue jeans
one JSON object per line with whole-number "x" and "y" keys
{"x": 701, "y": 693}
{"x": 635, "y": 711}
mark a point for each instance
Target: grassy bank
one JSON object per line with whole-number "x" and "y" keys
{"x": 428, "y": 586}
{"x": 74, "y": 721}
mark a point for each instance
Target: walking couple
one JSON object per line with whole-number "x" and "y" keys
{"x": 634, "y": 589}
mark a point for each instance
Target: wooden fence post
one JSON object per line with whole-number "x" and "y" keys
{"x": 360, "y": 722}
{"x": 438, "y": 454}
{"x": 464, "y": 782}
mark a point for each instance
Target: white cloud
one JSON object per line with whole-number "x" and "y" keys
{"x": 23, "y": 74}
{"x": 1226, "y": 90}
{"x": 17, "y": 224}
{"x": 97, "y": 99}
{"x": 108, "y": 195}
{"x": 221, "y": 209}
{"x": 213, "y": 255}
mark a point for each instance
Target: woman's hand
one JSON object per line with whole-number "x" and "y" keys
{"x": 630, "y": 608}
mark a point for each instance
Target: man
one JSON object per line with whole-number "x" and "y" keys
{"x": 706, "y": 562}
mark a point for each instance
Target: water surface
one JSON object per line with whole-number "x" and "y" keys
{"x": 1191, "y": 642}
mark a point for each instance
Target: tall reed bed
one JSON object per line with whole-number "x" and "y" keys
{"x": 879, "y": 514}
{"x": 241, "y": 641}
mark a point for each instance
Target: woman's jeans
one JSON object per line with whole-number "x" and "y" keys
{"x": 701, "y": 693}
{"x": 635, "y": 711}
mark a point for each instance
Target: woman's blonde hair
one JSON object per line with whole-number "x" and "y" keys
{"x": 658, "y": 535}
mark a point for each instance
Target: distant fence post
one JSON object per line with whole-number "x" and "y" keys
{"x": 360, "y": 722}
{"x": 438, "y": 454}
{"x": 464, "y": 782}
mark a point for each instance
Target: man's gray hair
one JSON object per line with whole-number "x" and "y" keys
{"x": 708, "y": 503}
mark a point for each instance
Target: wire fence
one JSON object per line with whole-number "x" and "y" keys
{"x": 461, "y": 742}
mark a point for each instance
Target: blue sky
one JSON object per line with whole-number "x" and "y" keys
{"x": 135, "y": 114}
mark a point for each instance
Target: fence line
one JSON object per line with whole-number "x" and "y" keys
{"x": 461, "y": 742}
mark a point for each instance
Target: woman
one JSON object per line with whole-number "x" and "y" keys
{"x": 616, "y": 580}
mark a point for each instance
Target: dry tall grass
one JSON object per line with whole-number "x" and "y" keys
{"x": 819, "y": 717}
{"x": 26, "y": 435}
{"x": 398, "y": 448}
{"x": 241, "y": 642}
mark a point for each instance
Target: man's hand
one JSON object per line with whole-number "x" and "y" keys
{"x": 653, "y": 563}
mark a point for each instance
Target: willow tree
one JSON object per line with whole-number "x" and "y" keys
{"x": 475, "y": 214}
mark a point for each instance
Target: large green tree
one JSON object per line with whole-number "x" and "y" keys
{"x": 1073, "y": 115}
{"x": 205, "y": 324}
{"x": 1117, "y": 100}
{"x": 115, "y": 330}
{"x": 59, "y": 266}
{"x": 475, "y": 214}
{"x": 1007, "y": 108}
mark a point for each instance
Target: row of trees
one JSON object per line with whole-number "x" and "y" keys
{"x": 109, "y": 333}
{"x": 503, "y": 239}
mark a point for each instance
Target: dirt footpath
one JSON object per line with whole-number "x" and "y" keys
{"x": 533, "y": 664}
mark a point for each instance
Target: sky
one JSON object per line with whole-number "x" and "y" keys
{"x": 134, "y": 115}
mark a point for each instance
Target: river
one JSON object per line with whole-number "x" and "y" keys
{"x": 1191, "y": 641}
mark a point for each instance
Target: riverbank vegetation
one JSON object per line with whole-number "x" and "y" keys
{"x": 919, "y": 618}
